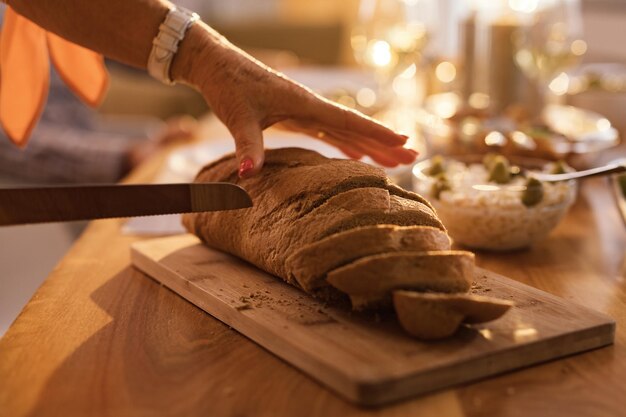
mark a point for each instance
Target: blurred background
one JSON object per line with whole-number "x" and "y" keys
{"x": 456, "y": 74}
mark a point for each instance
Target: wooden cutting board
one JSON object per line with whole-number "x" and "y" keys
{"x": 369, "y": 359}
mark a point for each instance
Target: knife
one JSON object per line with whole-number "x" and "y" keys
{"x": 86, "y": 202}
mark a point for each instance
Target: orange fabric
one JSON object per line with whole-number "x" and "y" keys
{"x": 25, "y": 73}
{"x": 24, "y": 76}
{"x": 82, "y": 69}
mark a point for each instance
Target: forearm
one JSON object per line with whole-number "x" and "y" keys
{"x": 123, "y": 30}
{"x": 120, "y": 29}
{"x": 245, "y": 94}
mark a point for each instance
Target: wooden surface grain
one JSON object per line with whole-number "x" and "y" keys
{"x": 100, "y": 338}
{"x": 369, "y": 359}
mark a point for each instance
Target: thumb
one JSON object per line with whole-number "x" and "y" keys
{"x": 249, "y": 146}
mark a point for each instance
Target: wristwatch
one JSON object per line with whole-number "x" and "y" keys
{"x": 165, "y": 43}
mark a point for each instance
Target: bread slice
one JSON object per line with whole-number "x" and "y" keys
{"x": 402, "y": 212}
{"x": 351, "y": 209}
{"x": 287, "y": 234}
{"x": 369, "y": 281}
{"x": 435, "y": 316}
{"x": 309, "y": 265}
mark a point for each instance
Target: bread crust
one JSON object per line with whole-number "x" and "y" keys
{"x": 438, "y": 271}
{"x": 434, "y": 316}
{"x": 340, "y": 230}
{"x": 309, "y": 265}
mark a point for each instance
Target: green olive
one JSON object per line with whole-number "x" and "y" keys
{"x": 559, "y": 167}
{"x": 439, "y": 186}
{"x": 533, "y": 194}
{"x": 437, "y": 166}
{"x": 500, "y": 171}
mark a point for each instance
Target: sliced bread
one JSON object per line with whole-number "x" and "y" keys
{"x": 309, "y": 265}
{"x": 343, "y": 232}
{"x": 435, "y": 316}
{"x": 369, "y": 281}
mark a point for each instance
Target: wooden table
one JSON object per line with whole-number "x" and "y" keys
{"x": 100, "y": 338}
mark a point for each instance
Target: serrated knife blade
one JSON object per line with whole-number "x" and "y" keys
{"x": 87, "y": 202}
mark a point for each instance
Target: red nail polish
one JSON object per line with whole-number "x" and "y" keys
{"x": 245, "y": 167}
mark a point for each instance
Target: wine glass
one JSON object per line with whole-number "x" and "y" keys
{"x": 390, "y": 35}
{"x": 549, "y": 42}
{"x": 390, "y": 38}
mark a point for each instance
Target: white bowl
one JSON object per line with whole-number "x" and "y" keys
{"x": 485, "y": 215}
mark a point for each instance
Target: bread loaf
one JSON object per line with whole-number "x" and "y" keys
{"x": 338, "y": 229}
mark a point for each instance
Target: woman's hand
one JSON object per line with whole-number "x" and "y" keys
{"x": 248, "y": 97}
{"x": 245, "y": 94}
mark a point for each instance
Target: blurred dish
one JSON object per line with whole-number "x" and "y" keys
{"x": 609, "y": 77}
{"x": 561, "y": 131}
{"x": 491, "y": 204}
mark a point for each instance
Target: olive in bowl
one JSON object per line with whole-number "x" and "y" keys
{"x": 491, "y": 202}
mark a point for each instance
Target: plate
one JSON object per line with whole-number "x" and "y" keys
{"x": 560, "y": 132}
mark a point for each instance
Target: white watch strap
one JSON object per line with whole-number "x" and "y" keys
{"x": 165, "y": 43}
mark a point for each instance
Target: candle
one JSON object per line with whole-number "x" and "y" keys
{"x": 467, "y": 41}
{"x": 505, "y": 78}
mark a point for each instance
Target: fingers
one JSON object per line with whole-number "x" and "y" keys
{"x": 330, "y": 115}
{"x": 344, "y": 147}
{"x": 353, "y": 145}
{"x": 398, "y": 153}
{"x": 249, "y": 146}
{"x": 378, "y": 155}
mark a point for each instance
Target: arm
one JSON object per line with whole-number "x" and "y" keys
{"x": 245, "y": 94}
{"x": 120, "y": 29}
